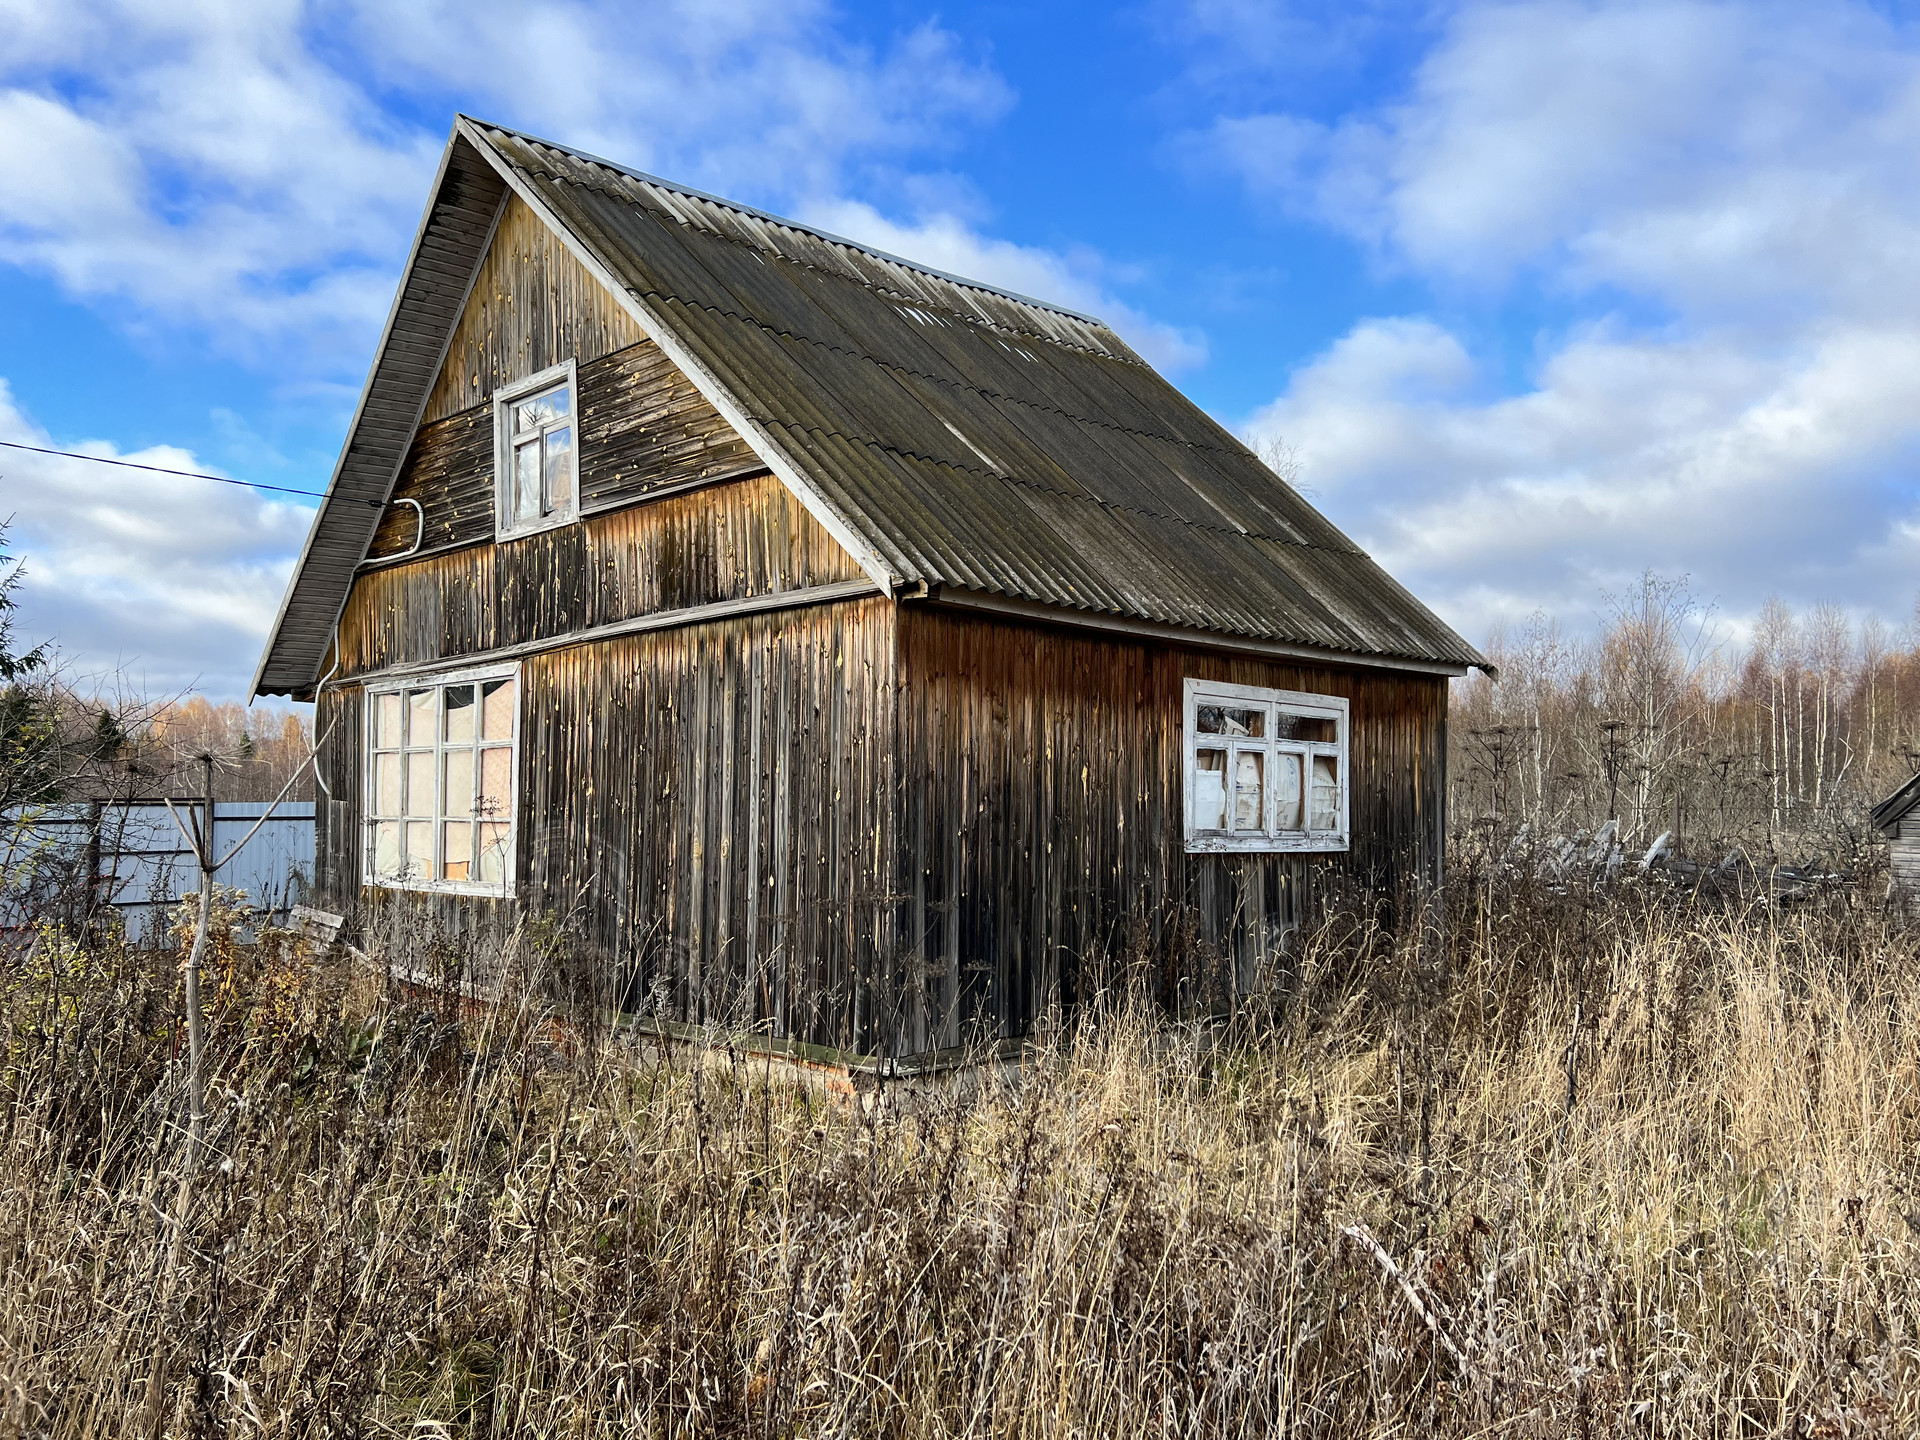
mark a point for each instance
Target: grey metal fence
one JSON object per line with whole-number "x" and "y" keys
{"x": 131, "y": 856}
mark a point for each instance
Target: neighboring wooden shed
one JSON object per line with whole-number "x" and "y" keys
{"x": 1898, "y": 818}
{"x": 849, "y": 650}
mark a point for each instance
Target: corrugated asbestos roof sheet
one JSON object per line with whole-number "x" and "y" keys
{"x": 976, "y": 439}
{"x": 981, "y": 440}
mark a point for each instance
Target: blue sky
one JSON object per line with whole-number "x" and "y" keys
{"x": 1540, "y": 294}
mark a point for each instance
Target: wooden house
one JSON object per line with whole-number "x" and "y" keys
{"x": 841, "y": 647}
{"x": 1898, "y": 818}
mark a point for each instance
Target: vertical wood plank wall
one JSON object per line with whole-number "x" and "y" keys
{"x": 532, "y": 305}
{"x": 1903, "y": 861}
{"x": 1040, "y": 822}
{"x": 901, "y": 829}
{"x": 707, "y": 809}
{"x": 711, "y": 805}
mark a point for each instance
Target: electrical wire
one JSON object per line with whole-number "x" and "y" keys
{"x": 185, "y": 474}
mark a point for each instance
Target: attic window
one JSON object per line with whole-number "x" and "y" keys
{"x": 536, "y": 453}
{"x": 440, "y": 782}
{"x": 1265, "y": 769}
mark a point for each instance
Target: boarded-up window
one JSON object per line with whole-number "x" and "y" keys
{"x": 440, "y": 802}
{"x": 536, "y": 453}
{"x": 1265, "y": 769}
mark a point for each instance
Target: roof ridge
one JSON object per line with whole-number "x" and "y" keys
{"x": 892, "y": 296}
{"x": 919, "y": 267}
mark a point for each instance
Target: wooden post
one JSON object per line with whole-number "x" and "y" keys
{"x": 196, "y": 1023}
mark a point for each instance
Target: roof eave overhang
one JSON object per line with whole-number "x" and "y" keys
{"x": 1887, "y": 815}
{"x": 364, "y": 474}
{"x": 1035, "y": 612}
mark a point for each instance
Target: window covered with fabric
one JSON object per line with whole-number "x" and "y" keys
{"x": 1265, "y": 769}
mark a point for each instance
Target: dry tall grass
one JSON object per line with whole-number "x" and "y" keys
{"x": 1372, "y": 1212}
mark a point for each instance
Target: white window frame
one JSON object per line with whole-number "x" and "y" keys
{"x": 552, "y": 378}
{"x": 437, "y": 679}
{"x": 1269, "y": 838}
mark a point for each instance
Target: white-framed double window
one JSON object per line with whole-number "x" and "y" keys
{"x": 1264, "y": 769}
{"x": 536, "y": 453}
{"x": 442, "y": 767}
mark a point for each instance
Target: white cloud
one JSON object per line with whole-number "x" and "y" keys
{"x": 238, "y": 165}
{"x": 1076, "y": 281}
{"x": 249, "y": 170}
{"x": 1725, "y": 193}
{"x": 171, "y": 580}
{"x": 1699, "y": 153}
{"x": 1753, "y": 473}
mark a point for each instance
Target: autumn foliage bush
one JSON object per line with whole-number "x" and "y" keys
{"x": 1527, "y": 1161}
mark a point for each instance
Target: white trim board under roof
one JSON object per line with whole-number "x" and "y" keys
{"x": 948, "y": 434}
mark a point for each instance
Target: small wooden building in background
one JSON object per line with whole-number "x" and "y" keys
{"x": 844, "y": 649}
{"x": 1898, "y": 818}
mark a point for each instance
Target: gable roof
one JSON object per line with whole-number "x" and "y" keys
{"x": 949, "y": 434}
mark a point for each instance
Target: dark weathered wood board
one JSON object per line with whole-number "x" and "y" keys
{"x": 643, "y": 429}
{"x": 1040, "y": 819}
{"x": 711, "y": 806}
{"x": 723, "y": 542}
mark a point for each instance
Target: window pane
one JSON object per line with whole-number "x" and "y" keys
{"x": 526, "y": 482}
{"x": 496, "y": 783}
{"x": 1315, "y": 729}
{"x": 1326, "y": 793}
{"x": 1210, "y": 790}
{"x": 420, "y": 783}
{"x": 421, "y": 705}
{"x": 537, "y": 410}
{"x": 559, "y": 470}
{"x": 456, "y": 798}
{"x": 1286, "y": 786}
{"x": 459, "y": 712}
{"x": 495, "y": 841}
{"x": 456, "y": 851}
{"x": 1229, "y": 720}
{"x": 496, "y": 706}
{"x": 419, "y": 849}
{"x": 386, "y": 850}
{"x": 1222, "y": 720}
{"x": 386, "y": 781}
{"x": 1249, "y": 796}
{"x": 386, "y": 725}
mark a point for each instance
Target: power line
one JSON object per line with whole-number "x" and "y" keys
{"x": 163, "y": 470}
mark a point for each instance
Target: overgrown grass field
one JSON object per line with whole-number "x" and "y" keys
{"x": 1534, "y": 1164}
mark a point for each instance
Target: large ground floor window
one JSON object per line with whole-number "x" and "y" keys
{"x": 1265, "y": 769}
{"x": 441, "y": 765}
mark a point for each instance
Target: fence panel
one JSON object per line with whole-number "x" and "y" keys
{"x": 132, "y": 857}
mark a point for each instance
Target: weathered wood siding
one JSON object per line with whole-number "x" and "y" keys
{"x": 712, "y": 805}
{"x": 707, "y": 808}
{"x": 532, "y": 305}
{"x": 644, "y": 429}
{"x": 1040, "y": 821}
{"x": 1903, "y": 861}
{"x": 897, "y": 829}
{"x": 722, "y": 542}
